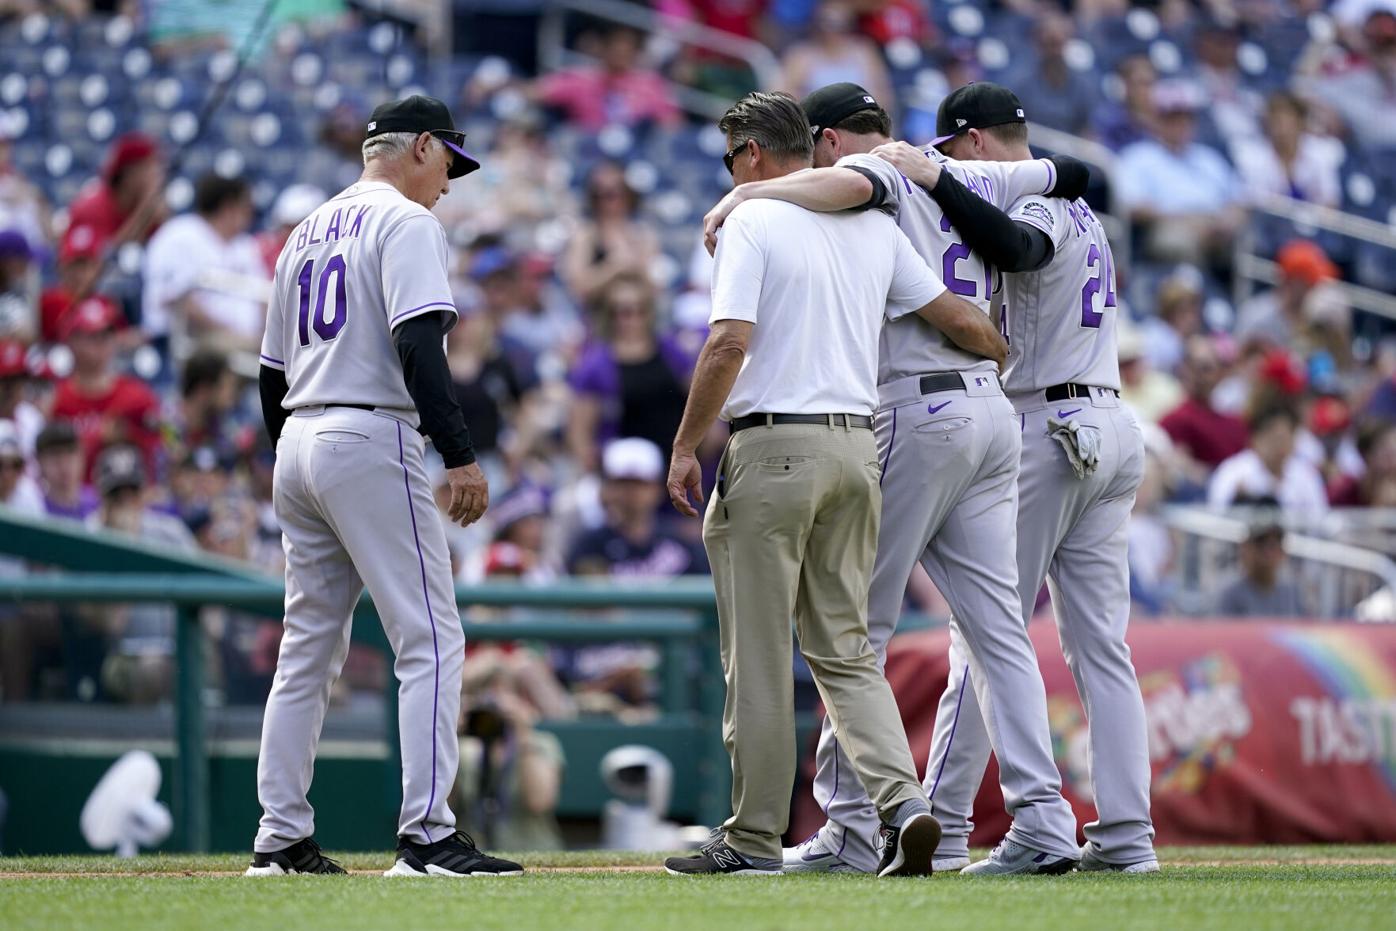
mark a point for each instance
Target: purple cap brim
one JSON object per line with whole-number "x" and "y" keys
{"x": 471, "y": 163}
{"x": 936, "y": 142}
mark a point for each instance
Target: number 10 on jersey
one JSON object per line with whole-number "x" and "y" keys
{"x": 326, "y": 329}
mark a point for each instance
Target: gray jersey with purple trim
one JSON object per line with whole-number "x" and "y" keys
{"x": 911, "y": 346}
{"x": 1060, "y": 321}
{"x": 363, "y": 263}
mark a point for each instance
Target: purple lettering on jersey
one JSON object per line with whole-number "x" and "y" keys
{"x": 953, "y": 255}
{"x": 302, "y": 233}
{"x": 1077, "y": 218}
{"x": 314, "y": 224}
{"x": 303, "y": 318}
{"x": 332, "y": 231}
{"x": 358, "y": 221}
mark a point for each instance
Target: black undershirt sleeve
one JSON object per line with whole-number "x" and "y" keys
{"x": 879, "y": 199}
{"x": 428, "y": 379}
{"x": 271, "y": 384}
{"x": 1073, "y": 177}
{"x": 1010, "y": 246}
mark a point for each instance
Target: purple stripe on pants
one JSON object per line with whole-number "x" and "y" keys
{"x": 891, "y": 441}
{"x": 431, "y": 619}
{"x": 950, "y": 741}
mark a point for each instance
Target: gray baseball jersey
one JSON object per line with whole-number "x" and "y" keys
{"x": 355, "y": 504}
{"x": 1070, "y": 532}
{"x": 949, "y": 472}
{"x": 911, "y": 346}
{"x": 1060, "y": 320}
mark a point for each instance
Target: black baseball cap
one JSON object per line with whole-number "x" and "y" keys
{"x": 421, "y": 114}
{"x": 976, "y": 106}
{"x": 832, "y": 104}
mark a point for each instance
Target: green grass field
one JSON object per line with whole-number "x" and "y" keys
{"x": 1310, "y": 888}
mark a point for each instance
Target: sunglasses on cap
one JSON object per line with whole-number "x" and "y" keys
{"x": 731, "y": 157}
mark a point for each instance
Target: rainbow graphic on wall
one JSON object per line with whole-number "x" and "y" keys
{"x": 1356, "y": 721}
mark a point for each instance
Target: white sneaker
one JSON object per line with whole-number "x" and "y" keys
{"x": 1013, "y": 859}
{"x": 949, "y": 864}
{"x": 816, "y": 855}
{"x": 1092, "y": 863}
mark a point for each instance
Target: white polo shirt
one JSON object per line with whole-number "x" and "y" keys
{"x": 817, "y": 287}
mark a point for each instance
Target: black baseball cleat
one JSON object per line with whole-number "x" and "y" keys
{"x": 302, "y": 857}
{"x": 456, "y": 855}
{"x": 909, "y": 850}
{"x": 716, "y": 858}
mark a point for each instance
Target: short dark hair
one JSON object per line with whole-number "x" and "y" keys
{"x": 775, "y": 122}
{"x": 1266, "y": 414}
{"x": 57, "y": 435}
{"x": 213, "y": 192}
{"x": 865, "y": 122}
{"x": 1009, "y": 133}
{"x": 204, "y": 369}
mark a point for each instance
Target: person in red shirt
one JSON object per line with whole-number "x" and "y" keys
{"x": 79, "y": 260}
{"x": 1205, "y": 435}
{"x": 105, "y": 407}
{"x": 133, "y": 173}
{"x": 621, "y": 91}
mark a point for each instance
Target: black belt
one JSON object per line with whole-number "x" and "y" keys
{"x": 357, "y": 407}
{"x": 862, "y": 421}
{"x": 1068, "y": 391}
{"x": 941, "y": 381}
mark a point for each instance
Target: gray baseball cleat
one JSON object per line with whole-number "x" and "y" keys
{"x": 1091, "y": 862}
{"x": 1013, "y": 859}
{"x": 819, "y": 854}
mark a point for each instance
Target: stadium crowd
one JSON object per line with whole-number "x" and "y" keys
{"x": 128, "y": 296}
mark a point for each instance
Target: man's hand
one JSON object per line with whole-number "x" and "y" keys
{"x": 911, "y": 162}
{"x": 685, "y": 475}
{"x": 470, "y": 494}
{"x": 715, "y": 217}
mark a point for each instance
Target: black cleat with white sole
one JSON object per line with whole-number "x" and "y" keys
{"x": 301, "y": 858}
{"x": 718, "y": 858}
{"x": 456, "y": 855}
{"x": 909, "y": 850}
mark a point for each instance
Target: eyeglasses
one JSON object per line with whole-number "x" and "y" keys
{"x": 731, "y": 156}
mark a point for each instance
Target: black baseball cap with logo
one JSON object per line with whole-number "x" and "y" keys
{"x": 832, "y": 104}
{"x": 419, "y": 114}
{"x": 976, "y": 106}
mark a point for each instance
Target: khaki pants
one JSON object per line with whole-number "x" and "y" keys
{"x": 791, "y": 532}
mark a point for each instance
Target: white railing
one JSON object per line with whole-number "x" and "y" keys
{"x": 554, "y": 54}
{"x": 1336, "y": 576}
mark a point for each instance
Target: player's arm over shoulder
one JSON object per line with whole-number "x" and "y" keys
{"x": 1059, "y": 176}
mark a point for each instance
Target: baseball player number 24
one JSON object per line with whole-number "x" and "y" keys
{"x": 325, "y": 329}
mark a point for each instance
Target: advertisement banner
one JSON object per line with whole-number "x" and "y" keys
{"x": 1259, "y": 732}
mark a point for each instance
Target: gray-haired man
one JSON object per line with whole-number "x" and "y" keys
{"x": 799, "y": 299}
{"x": 352, "y": 366}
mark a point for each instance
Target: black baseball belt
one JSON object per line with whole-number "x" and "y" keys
{"x": 859, "y": 421}
{"x": 941, "y": 381}
{"x": 1070, "y": 390}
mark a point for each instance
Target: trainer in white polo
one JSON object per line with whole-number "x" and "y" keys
{"x": 353, "y": 373}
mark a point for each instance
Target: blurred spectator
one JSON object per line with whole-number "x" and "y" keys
{"x": 204, "y": 277}
{"x": 510, "y": 774}
{"x": 1177, "y": 318}
{"x": 19, "y": 287}
{"x": 17, "y": 490}
{"x": 1132, "y": 118}
{"x": 520, "y": 521}
{"x": 1150, "y": 545}
{"x": 1259, "y": 590}
{"x": 59, "y": 458}
{"x": 546, "y": 321}
{"x": 633, "y": 543}
{"x": 208, "y": 397}
{"x": 630, "y": 381}
{"x": 619, "y": 90}
{"x": 1204, "y": 436}
{"x": 1289, "y": 160}
{"x": 104, "y": 406}
{"x": 124, "y": 204}
{"x": 15, "y": 408}
{"x": 1362, "y": 88}
{"x": 611, "y": 240}
{"x": 1376, "y": 486}
{"x": 79, "y": 262}
{"x": 200, "y": 482}
{"x": 1148, "y": 392}
{"x": 22, "y": 205}
{"x": 1233, "y": 105}
{"x": 835, "y": 53}
{"x": 1182, "y": 194}
{"x": 292, "y": 206}
{"x": 1053, "y": 92}
{"x": 1325, "y": 443}
{"x": 1269, "y": 468}
{"x": 1276, "y": 316}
